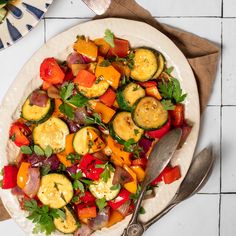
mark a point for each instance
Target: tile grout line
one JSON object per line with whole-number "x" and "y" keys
{"x": 44, "y": 26}
{"x": 221, "y": 108}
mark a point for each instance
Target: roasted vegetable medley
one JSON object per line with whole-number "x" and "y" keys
{"x": 85, "y": 135}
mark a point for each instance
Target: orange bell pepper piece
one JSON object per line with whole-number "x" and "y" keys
{"x": 153, "y": 91}
{"x": 62, "y": 156}
{"x": 108, "y": 97}
{"x": 97, "y": 142}
{"x": 117, "y": 150}
{"x": 87, "y": 212}
{"x": 119, "y": 160}
{"x": 131, "y": 186}
{"x": 23, "y": 174}
{"x": 86, "y": 48}
{"x": 120, "y": 67}
{"x": 85, "y": 78}
{"x": 103, "y": 46}
{"x": 46, "y": 85}
{"x": 106, "y": 112}
{"x": 108, "y": 73}
{"x": 115, "y": 217}
{"x": 140, "y": 173}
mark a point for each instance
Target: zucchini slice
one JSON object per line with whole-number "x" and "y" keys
{"x": 55, "y": 190}
{"x": 51, "y": 133}
{"x": 67, "y": 225}
{"x": 36, "y": 114}
{"x": 149, "y": 114}
{"x": 101, "y": 189}
{"x": 123, "y": 128}
{"x": 97, "y": 90}
{"x": 145, "y": 64}
{"x": 87, "y": 140}
{"x": 129, "y": 95}
{"x": 161, "y": 65}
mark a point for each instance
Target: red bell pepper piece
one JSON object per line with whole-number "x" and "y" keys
{"x": 122, "y": 197}
{"x": 9, "y": 177}
{"x": 85, "y": 78}
{"x": 159, "y": 133}
{"x": 121, "y": 48}
{"x": 177, "y": 115}
{"x": 148, "y": 84}
{"x": 108, "y": 98}
{"x": 172, "y": 175}
{"x": 85, "y": 211}
{"x": 51, "y": 72}
{"x": 160, "y": 177}
{"x": 139, "y": 162}
{"x": 18, "y": 134}
{"x": 87, "y": 197}
{"x": 186, "y": 129}
{"x": 88, "y": 166}
{"x": 69, "y": 75}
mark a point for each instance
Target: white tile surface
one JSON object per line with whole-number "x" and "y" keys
{"x": 10, "y": 228}
{"x": 227, "y": 205}
{"x": 197, "y": 216}
{"x": 228, "y": 149}
{"x": 213, "y": 33}
{"x": 229, "y": 68}
{"x": 210, "y": 135}
{"x": 182, "y": 7}
{"x": 229, "y": 8}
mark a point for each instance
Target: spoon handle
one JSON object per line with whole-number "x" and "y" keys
{"x": 147, "y": 224}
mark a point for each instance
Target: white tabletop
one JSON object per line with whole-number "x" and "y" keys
{"x": 212, "y": 212}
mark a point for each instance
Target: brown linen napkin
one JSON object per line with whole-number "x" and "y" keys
{"x": 202, "y": 55}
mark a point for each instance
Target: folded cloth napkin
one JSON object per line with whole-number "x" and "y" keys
{"x": 202, "y": 55}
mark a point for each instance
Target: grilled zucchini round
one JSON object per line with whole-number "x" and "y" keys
{"x": 123, "y": 128}
{"x": 55, "y": 190}
{"x": 149, "y": 114}
{"x": 51, "y": 133}
{"x": 127, "y": 97}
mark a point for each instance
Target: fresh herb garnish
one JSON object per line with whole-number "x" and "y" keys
{"x": 142, "y": 210}
{"x": 48, "y": 151}
{"x": 167, "y": 104}
{"x": 134, "y": 196}
{"x": 105, "y": 63}
{"x": 108, "y": 168}
{"x": 171, "y": 90}
{"x": 77, "y": 184}
{"x": 44, "y": 170}
{"x": 169, "y": 70}
{"x": 38, "y": 150}
{"x": 26, "y": 150}
{"x": 42, "y": 216}
{"x": 96, "y": 119}
{"x": 67, "y": 110}
{"x": 78, "y": 100}
{"x": 67, "y": 91}
{"x": 131, "y": 146}
{"x": 128, "y": 145}
{"x": 13, "y": 138}
{"x": 115, "y": 187}
{"x": 136, "y": 131}
{"x": 109, "y": 38}
{"x": 87, "y": 181}
{"x": 73, "y": 157}
{"x": 101, "y": 203}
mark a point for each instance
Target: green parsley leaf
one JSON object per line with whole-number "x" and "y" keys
{"x": 105, "y": 175}
{"x": 128, "y": 144}
{"x": 67, "y": 110}
{"x": 135, "y": 196}
{"x": 136, "y": 131}
{"x": 96, "y": 119}
{"x": 38, "y": 150}
{"x": 66, "y": 91}
{"x": 142, "y": 210}
{"x": 73, "y": 157}
{"x": 26, "y": 150}
{"x": 109, "y": 38}
{"x": 87, "y": 181}
{"x": 169, "y": 70}
{"x": 78, "y": 185}
{"x": 115, "y": 187}
{"x": 105, "y": 63}
{"x": 78, "y": 100}
{"x": 44, "y": 170}
{"x": 13, "y": 138}
{"x": 101, "y": 203}
{"x": 177, "y": 93}
{"x": 167, "y": 104}
{"x": 48, "y": 151}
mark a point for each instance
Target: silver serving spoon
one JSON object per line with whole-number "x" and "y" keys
{"x": 195, "y": 179}
{"x": 157, "y": 161}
